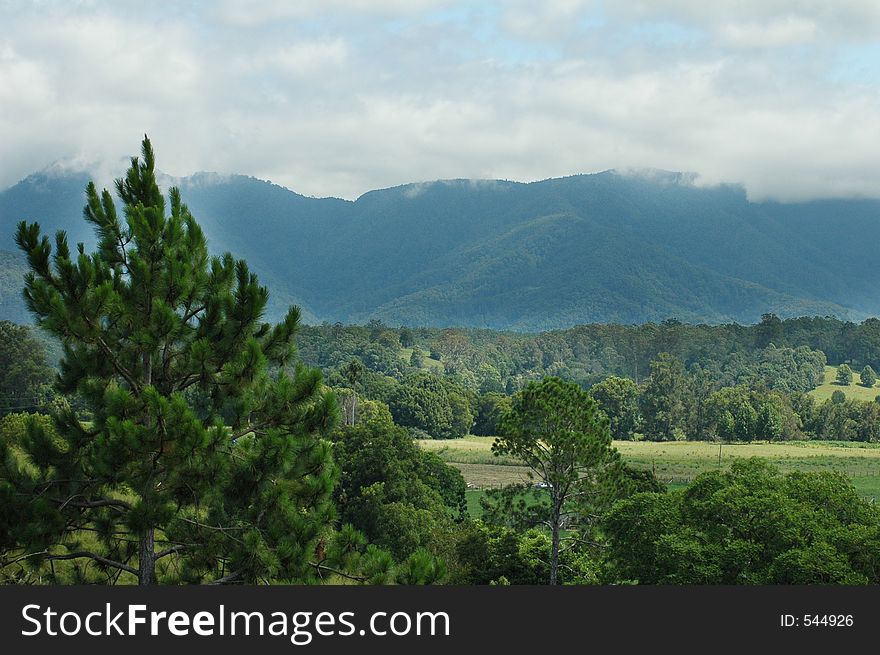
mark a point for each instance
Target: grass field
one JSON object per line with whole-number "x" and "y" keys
{"x": 427, "y": 362}
{"x": 676, "y": 463}
{"x": 854, "y": 391}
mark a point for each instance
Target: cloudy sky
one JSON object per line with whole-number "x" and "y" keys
{"x": 337, "y": 97}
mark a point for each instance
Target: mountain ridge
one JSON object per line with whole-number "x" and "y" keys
{"x": 614, "y": 246}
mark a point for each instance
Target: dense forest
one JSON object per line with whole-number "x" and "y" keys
{"x": 662, "y": 381}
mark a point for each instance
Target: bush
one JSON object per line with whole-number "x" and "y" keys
{"x": 868, "y": 377}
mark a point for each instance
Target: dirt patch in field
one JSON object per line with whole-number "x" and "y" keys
{"x": 484, "y": 476}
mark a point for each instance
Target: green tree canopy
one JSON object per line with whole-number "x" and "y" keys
{"x": 768, "y": 331}
{"x": 558, "y": 431}
{"x": 748, "y": 525}
{"x": 407, "y": 338}
{"x": 490, "y": 409}
{"x": 400, "y": 496}
{"x": 24, "y": 372}
{"x": 664, "y": 398}
{"x": 742, "y": 414}
{"x": 619, "y": 399}
{"x": 431, "y": 403}
{"x": 844, "y": 375}
{"x": 868, "y": 377}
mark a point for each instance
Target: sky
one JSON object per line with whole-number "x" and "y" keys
{"x": 335, "y": 97}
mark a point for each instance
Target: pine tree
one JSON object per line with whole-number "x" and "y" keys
{"x": 203, "y": 460}
{"x": 868, "y": 377}
{"x": 557, "y": 430}
{"x": 353, "y": 372}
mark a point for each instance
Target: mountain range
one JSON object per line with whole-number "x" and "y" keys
{"x": 607, "y": 247}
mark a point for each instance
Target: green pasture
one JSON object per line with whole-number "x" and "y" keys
{"x": 854, "y": 391}
{"x": 677, "y": 462}
{"x": 427, "y": 362}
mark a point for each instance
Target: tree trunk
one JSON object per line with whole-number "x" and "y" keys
{"x": 554, "y": 545}
{"x": 147, "y": 547}
{"x": 147, "y": 558}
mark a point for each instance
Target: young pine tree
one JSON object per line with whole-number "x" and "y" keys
{"x": 203, "y": 460}
{"x": 558, "y": 431}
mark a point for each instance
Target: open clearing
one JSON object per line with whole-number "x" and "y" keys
{"x": 677, "y": 462}
{"x": 427, "y": 363}
{"x": 854, "y": 391}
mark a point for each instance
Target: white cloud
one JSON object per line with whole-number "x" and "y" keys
{"x": 296, "y": 58}
{"x": 249, "y": 13}
{"x": 838, "y": 20}
{"x": 344, "y": 97}
{"x": 791, "y": 30}
{"x": 310, "y": 57}
{"x": 542, "y": 20}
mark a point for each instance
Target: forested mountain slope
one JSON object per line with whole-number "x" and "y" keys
{"x": 589, "y": 248}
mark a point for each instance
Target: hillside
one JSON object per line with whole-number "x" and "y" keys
{"x": 12, "y": 270}
{"x": 550, "y": 254}
{"x": 855, "y": 391}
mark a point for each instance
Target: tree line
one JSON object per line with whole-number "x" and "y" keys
{"x": 764, "y": 397}
{"x": 499, "y": 361}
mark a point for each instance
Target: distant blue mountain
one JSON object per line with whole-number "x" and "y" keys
{"x": 607, "y": 247}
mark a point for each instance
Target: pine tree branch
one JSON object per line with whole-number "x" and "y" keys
{"x": 192, "y": 313}
{"x": 116, "y": 535}
{"x": 21, "y": 558}
{"x": 217, "y": 528}
{"x": 48, "y": 483}
{"x": 248, "y": 429}
{"x": 226, "y": 579}
{"x": 122, "y": 243}
{"x": 188, "y": 381}
{"x": 323, "y": 567}
{"x": 572, "y": 541}
{"x": 124, "y": 372}
{"x": 171, "y": 551}
{"x": 94, "y": 556}
{"x": 88, "y": 504}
